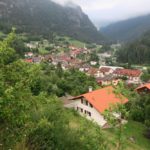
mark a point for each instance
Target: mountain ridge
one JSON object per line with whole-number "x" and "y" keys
{"x": 127, "y": 30}
{"x": 44, "y": 17}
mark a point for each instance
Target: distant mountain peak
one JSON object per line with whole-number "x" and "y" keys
{"x": 45, "y": 16}
{"x": 127, "y": 30}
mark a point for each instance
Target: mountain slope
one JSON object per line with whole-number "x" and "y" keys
{"x": 127, "y": 30}
{"x": 45, "y": 17}
{"x": 137, "y": 52}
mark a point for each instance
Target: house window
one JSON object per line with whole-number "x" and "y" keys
{"x": 77, "y": 108}
{"x": 87, "y": 103}
{"x": 81, "y": 110}
{"x": 91, "y": 105}
{"x": 89, "y": 113}
{"x": 82, "y": 101}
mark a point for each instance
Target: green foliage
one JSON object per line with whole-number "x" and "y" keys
{"x": 137, "y": 52}
{"x": 140, "y": 108}
{"x": 91, "y": 46}
{"x": 116, "y": 123}
{"x": 5, "y": 27}
{"x": 6, "y": 52}
{"x": 140, "y": 111}
{"x": 145, "y": 76}
{"x": 53, "y": 131}
{"x": 49, "y": 48}
{"x": 105, "y": 48}
{"x": 115, "y": 116}
{"x": 48, "y": 18}
{"x": 29, "y": 110}
{"x": 16, "y": 99}
{"x": 55, "y": 81}
{"x": 132, "y": 134}
{"x": 94, "y": 57}
{"x": 137, "y": 114}
{"x": 19, "y": 46}
{"x": 127, "y": 30}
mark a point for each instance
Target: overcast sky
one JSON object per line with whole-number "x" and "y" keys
{"x": 106, "y": 11}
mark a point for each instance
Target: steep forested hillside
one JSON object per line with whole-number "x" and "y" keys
{"x": 137, "y": 52}
{"x": 127, "y": 30}
{"x": 46, "y": 17}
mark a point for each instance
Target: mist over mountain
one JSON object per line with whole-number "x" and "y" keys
{"x": 44, "y": 17}
{"x": 127, "y": 30}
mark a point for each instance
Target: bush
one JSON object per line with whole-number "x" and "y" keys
{"x": 53, "y": 131}
{"x": 147, "y": 133}
{"x": 137, "y": 114}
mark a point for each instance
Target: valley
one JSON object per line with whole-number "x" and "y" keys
{"x": 64, "y": 85}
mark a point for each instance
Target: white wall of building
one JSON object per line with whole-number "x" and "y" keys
{"x": 112, "y": 67}
{"x": 95, "y": 115}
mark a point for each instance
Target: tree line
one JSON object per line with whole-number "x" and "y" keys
{"x": 137, "y": 52}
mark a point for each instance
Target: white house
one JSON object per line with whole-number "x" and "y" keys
{"x": 108, "y": 80}
{"x": 93, "y": 104}
{"x": 32, "y": 45}
{"x": 105, "y": 71}
{"x": 111, "y": 67}
{"x": 29, "y": 54}
{"x": 132, "y": 75}
{"x": 93, "y": 63}
{"x": 84, "y": 68}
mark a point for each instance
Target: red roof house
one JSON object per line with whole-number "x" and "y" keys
{"x": 103, "y": 98}
{"x": 128, "y": 72}
{"x": 28, "y": 60}
{"x": 92, "y": 71}
{"x": 94, "y": 103}
{"x": 105, "y": 69}
{"x": 132, "y": 75}
{"x": 144, "y": 88}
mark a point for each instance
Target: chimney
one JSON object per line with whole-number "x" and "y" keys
{"x": 90, "y": 88}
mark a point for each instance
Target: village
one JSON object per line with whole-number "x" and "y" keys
{"x": 93, "y": 104}
{"x": 74, "y": 75}
{"x": 88, "y": 61}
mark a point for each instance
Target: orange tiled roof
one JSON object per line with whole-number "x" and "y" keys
{"x": 76, "y": 51}
{"x": 104, "y": 69}
{"x": 147, "y": 85}
{"x": 28, "y": 60}
{"x": 103, "y": 98}
{"x": 92, "y": 71}
{"x": 128, "y": 72}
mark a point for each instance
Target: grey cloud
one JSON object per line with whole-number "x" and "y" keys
{"x": 105, "y": 11}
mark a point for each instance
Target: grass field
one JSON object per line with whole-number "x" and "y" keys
{"x": 132, "y": 130}
{"x": 43, "y": 51}
{"x": 74, "y": 42}
{"x": 77, "y": 43}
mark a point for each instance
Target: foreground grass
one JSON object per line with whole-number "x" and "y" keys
{"x": 133, "y": 130}
{"x": 133, "y": 136}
